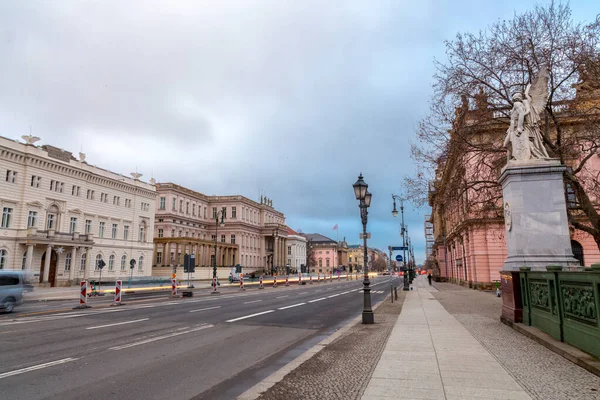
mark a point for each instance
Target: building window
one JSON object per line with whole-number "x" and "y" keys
{"x": 32, "y": 219}
{"x": 73, "y": 225}
{"x": 3, "y": 259}
{"x": 214, "y": 212}
{"x": 222, "y": 238}
{"x": 180, "y": 205}
{"x": 75, "y": 190}
{"x": 174, "y": 203}
{"x": 204, "y": 212}
{"x": 233, "y": 212}
{"x": 289, "y": 250}
{"x": 98, "y": 259}
{"x": 213, "y": 237}
{"x": 11, "y": 176}
{"x": 187, "y": 207}
{"x": 114, "y": 231}
{"x": 126, "y": 232}
{"x": 224, "y": 211}
{"x": 193, "y": 210}
{"x": 128, "y": 203}
{"x": 142, "y": 236}
{"x": 163, "y": 203}
{"x": 35, "y": 181}
{"x": 320, "y": 262}
{"x": 172, "y": 232}
{"x": 51, "y": 221}
{"x": 101, "y": 230}
{"x": 232, "y": 239}
{"x": 111, "y": 262}
{"x": 90, "y": 194}
{"x": 145, "y": 206}
{"x": 68, "y": 262}
{"x": 327, "y": 262}
{"x": 158, "y": 258}
{"x": 180, "y": 233}
{"x": 123, "y": 262}
{"x": 116, "y": 200}
{"x": 82, "y": 263}
{"x": 141, "y": 263}
{"x": 160, "y": 233}
{"x": 88, "y": 226}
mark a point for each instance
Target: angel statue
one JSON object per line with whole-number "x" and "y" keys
{"x": 524, "y": 137}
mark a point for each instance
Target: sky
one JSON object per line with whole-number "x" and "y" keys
{"x": 289, "y": 99}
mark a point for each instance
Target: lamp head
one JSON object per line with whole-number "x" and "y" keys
{"x": 360, "y": 188}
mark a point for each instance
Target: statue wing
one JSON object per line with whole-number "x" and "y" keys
{"x": 538, "y": 90}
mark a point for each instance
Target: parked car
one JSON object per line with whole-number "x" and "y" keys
{"x": 11, "y": 290}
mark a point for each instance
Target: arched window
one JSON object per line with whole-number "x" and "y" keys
{"x": 82, "y": 263}
{"x": 52, "y": 218}
{"x": 3, "y": 258}
{"x": 577, "y": 251}
{"x": 98, "y": 259}
{"x": 68, "y": 262}
{"x": 24, "y": 263}
{"x": 111, "y": 262}
{"x": 142, "y": 235}
{"x": 141, "y": 263}
{"x": 123, "y": 262}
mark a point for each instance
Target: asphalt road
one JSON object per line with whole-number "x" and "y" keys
{"x": 155, "y": 347}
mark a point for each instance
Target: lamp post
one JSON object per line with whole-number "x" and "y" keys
{"x": 364, "y": 197}
{"x": 403, "y": 234}
{"x": 217, "y": 224}
{"x": 275, "y": 236}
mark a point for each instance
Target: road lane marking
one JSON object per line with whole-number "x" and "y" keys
{"x": 118, "y": 323}
{"x": 36, "y": 367}
{"x": 250, "y": 316}
{"x": 292, "y": 306}
{"x": 302, "y": 292}
{"x": 346, "y": 292}
{"x": 253, "y": 301}
{"x": 281, "y": 297}
{"x": 333, "y": 295}
{"x": 154, "y": 339}
{"x": 315, "y": 300}
{"x": 204, "y": 309}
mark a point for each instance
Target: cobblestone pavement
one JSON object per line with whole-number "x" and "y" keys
{"x": 543, "y": 373}
{"x": 343, "y": 368}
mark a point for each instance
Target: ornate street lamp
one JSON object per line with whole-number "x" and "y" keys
{"x": 364, "y": 197}
{"x": 217, "y": 224}
{"x": 275, "y": 236}
{"x": 402, "y": 233}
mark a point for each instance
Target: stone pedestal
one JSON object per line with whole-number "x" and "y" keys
{"x": 512, "y": 304}
{"x": 535, "y": 212}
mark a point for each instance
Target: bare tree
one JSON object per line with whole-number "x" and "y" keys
{"x": 311, "y": 257}
{"x": 459, "y": 143}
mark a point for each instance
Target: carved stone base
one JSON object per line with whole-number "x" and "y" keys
{"x": 512, "y": 304}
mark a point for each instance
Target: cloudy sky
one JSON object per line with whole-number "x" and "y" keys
{"x": 292, "y": 99}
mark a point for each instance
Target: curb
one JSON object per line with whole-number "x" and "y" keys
{"x": 255, "y": 391}
{"x": 571, "y": 353}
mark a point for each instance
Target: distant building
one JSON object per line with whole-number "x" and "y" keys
{"x": 330, "y": 256}
{"x": 61, "y": 216}
{"x": 296, "y": 250}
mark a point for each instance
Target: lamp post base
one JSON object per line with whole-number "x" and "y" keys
{"x": 368, "y": 317}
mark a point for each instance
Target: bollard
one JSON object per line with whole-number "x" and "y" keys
{"x": 242, "y": 282}
{"x": 287, "y": 281}
{"x": 392, "y": 293}
{"x": 319, "y": 277}
{"x": 214, "y": 285}
{"x": 83, "y": 298}
{"x": 396, "y": 292}
{"x": 310, "y": 280}
{"x": 274, "y": 281}
{"x": 299, "y": 279}
{"x": 260, "y": 283}
{"x": 173, "y": 287}
{"x": 117, "y": 301}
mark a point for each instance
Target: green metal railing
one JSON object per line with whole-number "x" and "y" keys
{"x": 564, "y": 304}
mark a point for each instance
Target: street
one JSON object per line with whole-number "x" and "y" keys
{"x": 156, "y": 347}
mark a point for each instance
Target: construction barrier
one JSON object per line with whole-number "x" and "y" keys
{"x": 242, "y": 282}
{"x": 173, "y": 287}
{"x": 310, "y": 279}
{"x": 300, "y": 279}
{"x": 260, "y": 283}
{"x": 287, "y": 281}
{"x": 83, "y": 296}
{"x": 214, "y": 285}
{"x": 117, "y": 300}
{"x": 274, "y": 281}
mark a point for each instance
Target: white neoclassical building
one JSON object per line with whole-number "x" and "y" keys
{"x": 296, "y": 250}
{"x": 61, "y": 215}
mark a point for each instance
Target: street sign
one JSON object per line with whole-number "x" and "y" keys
{"x": 363, "y": 236}
{"x": 399, "y": 258}
{"x": 189, "y": 263}
{"x": 399, "y": 247}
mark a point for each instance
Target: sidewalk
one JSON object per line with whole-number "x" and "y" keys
{"x": 431, "y": 355}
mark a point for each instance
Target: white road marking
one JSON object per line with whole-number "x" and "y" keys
{"x": 302, "y": 292}
{"x": 36, "y": 367}
{"x": 154, "y": 339}
{"x": 281, "y": 297}
{"x": 253, "y": 301}
{"x": 204, "y": 309}
{"x": 118, "y": 323}
{"x": 314, "y": 301}
{"x": 333, "y": 295}
{"x": 346, "y": 292}
{"x": 292, "y": 306}
{"x": 250, "y": 316}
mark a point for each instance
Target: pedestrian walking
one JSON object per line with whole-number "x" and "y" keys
{"x": 429, "y": 278}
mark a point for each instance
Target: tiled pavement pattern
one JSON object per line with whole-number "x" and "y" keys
{"x": 544, "y": 374}
{"x": 340, "y": 370}
{"x": 441, "y": 361}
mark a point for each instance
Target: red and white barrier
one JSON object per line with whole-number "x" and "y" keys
{"x": 173, "y": 287}
{"x": 242, "y": 282}
{"x": 117, "y": 300}
{"x": 214, "y": 285}
{"x": 299, "y": 279}
{"x": 274, "y": 281}
{"x": 83, "y": 296}
{"x": 287, "y": 280}
{"x": 260, "y": 283}
{"x": 310, "y": 279}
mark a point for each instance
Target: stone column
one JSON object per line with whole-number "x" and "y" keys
{"x": 47, "y": 263}
{"x": 164, "y": 255}
{"x": 29, "y": 262}
{"x": 154, "y": 255}
{"x": 73, "y": 263}
{"x": 176, "y": 255}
